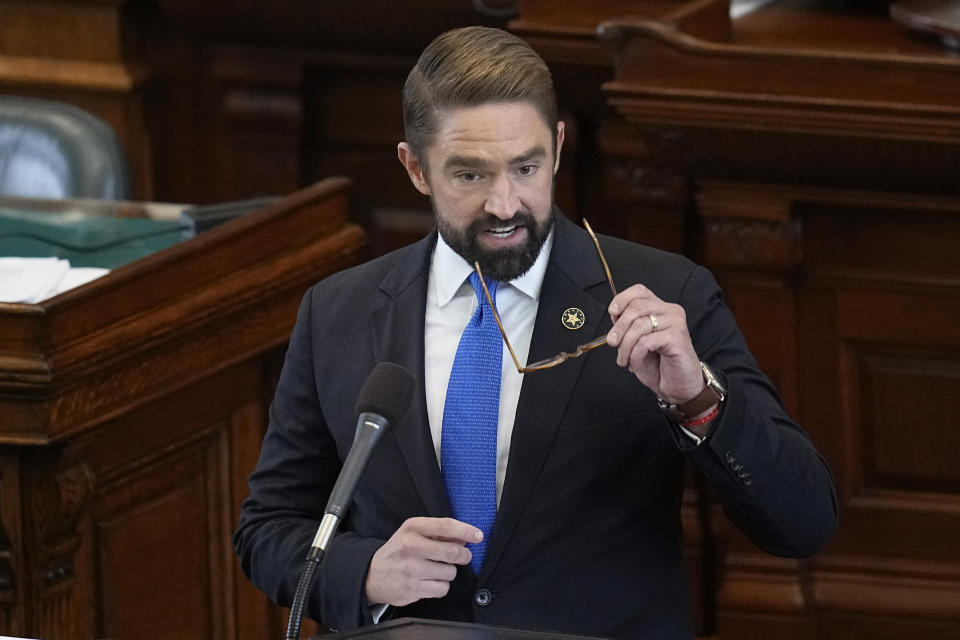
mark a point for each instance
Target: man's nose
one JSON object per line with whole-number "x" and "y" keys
{"x": 502, "y": 200}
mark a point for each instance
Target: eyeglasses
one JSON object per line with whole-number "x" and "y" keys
{"x": 563, "y": 356}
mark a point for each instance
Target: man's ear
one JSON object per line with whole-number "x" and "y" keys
{"x": 414, "y": 167}
{"x": 556, "y": 164}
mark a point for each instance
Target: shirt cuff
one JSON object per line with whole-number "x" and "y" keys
{"x": 697, "y": 439}
{"x": 377, "y": 611}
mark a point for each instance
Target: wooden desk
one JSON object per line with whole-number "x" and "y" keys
{"x": 131, "y": 413}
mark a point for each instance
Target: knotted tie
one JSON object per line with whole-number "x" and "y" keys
{"x": 468, "y": 441}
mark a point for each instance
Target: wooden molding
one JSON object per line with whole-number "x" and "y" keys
{"x": 101, "y": 77}
{"x": 887, "y": 587}
{"x": 666, "y": 76}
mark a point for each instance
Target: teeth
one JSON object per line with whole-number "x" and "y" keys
{"x": 503, "y": 231}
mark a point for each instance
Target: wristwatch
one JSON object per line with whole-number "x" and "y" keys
{"x": 713, "y": 393}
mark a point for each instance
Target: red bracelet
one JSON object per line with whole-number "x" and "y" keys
{"x": 704, "y": 420}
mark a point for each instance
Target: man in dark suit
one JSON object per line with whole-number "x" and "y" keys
{"x": 584, "y": 476}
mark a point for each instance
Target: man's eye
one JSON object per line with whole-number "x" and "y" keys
{"x": 528, "y": 169}
{"x": 468, "y": 176}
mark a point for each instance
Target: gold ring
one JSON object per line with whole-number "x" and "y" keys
{"x": 654, "y": 323}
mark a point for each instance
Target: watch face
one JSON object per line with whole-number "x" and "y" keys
{"x": 711, "y": 379}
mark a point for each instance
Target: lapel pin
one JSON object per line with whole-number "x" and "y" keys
{"x": 573, "y": 318}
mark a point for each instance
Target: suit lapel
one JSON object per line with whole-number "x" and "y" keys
{"x": 574, "y": 278}
{"x": 398, "y": 327}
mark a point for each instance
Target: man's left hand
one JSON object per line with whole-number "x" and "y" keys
{"x": 653, "y": 342}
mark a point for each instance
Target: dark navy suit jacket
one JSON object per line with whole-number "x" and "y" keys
{"x": 587, "y": 538}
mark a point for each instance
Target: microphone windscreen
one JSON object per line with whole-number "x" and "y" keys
{"x": 387, "y": 391}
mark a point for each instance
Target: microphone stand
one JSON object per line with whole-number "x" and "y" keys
{"x": 386, "y": 392}
{"x": 328, "y": 527}
{"x": 369, "y": 431}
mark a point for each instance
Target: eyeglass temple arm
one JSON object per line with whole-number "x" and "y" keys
{"x": 603, "y": 259}
{"x": 496, "y": 316}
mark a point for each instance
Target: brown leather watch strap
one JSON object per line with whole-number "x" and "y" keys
{"x": 695, "y": 406}
{"x": 704, "y": 400}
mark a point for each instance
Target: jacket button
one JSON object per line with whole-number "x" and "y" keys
{"x": 482, "y": 597}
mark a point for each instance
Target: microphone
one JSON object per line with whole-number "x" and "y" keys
{"x": 382, "y": 402}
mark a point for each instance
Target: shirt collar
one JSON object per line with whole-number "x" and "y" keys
{"x": 448, "y": 271}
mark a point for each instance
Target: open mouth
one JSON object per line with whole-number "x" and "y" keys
{"x": 502, "y": 232}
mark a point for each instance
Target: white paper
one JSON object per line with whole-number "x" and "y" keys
{"x": 32, "y": 280}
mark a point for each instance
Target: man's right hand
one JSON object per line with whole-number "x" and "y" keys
{"x": 419, "y": 560}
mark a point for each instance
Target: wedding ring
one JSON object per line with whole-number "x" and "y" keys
{"x": 654, "y": 323}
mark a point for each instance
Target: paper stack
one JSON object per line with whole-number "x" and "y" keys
{"x": 32, "y": 280}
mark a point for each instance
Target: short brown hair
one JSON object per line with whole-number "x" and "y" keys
{"x": 470, "y": 67}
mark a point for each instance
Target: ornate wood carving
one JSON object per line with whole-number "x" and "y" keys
{"x": 59, "y": 491}
{"x": 59, "y": 496}
{"x": 8, "y": 576}
{"x": 8, "y": 580}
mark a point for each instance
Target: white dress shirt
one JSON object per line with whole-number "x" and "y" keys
{"x": 451, "y": 303}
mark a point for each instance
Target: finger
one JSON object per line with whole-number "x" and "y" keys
{"x": 645, "y": 325}
{"x": 623, "y": 299}
{"x": 439, "y": 571}
{"x": 446, "y": 529}
{"x": 434, "y": 588}
{"x": 635, "y": 322}
{"x": 668, "y": 343}
{"x": 446, "y": 552}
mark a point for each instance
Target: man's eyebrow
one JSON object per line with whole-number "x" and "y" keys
{"x": 536, "y": 153}
{"x": 464, "y": 162}
{"x": 473, "y": 162}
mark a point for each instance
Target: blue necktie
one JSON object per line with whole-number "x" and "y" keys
{"x": 468, "y": 441}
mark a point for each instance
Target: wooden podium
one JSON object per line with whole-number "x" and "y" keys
{"x": 419, "y": 629}
{"x": 131, "y": 413}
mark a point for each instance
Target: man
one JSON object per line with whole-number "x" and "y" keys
{"x": 582, "y": 475}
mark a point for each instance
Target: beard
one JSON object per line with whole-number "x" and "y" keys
{"x": 497, "y": 264}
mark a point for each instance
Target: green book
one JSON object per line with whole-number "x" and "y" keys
{"x": 84, "y": 240}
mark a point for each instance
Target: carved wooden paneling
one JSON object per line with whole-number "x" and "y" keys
{"x": 901, "y": 386}
{"x": 159, "y": 539}
{"x": 141, "y": 589}
{"x": 167, "y": 498}
{"x": 850, "y": 304}
{"x": 819, "y": 148}
{"x": 883, "y": 378}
